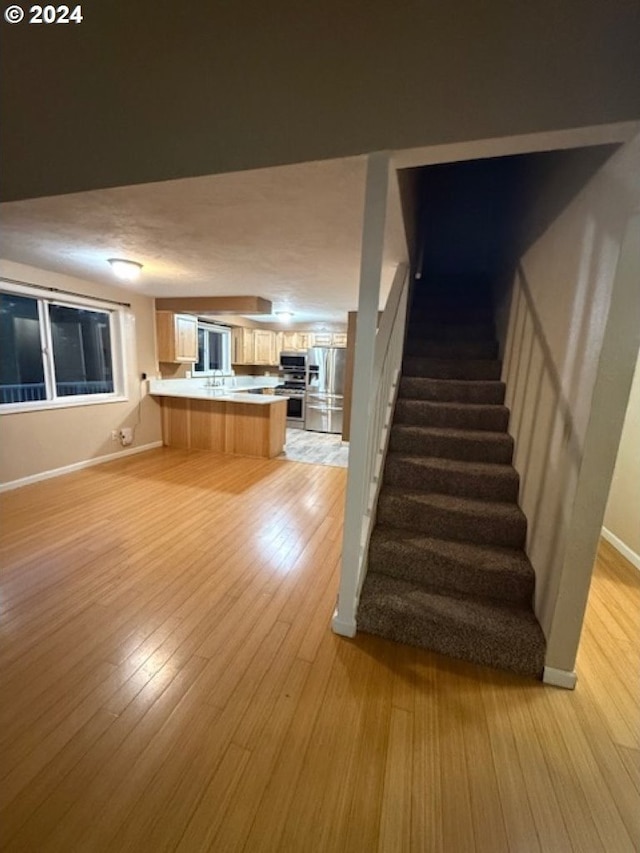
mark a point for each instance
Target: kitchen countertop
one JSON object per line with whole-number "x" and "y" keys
{"x": 222, "y": 395}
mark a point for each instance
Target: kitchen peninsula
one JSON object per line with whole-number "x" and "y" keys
{"x": 226, "y": 419}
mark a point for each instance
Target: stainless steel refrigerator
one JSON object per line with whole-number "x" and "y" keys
{"x": 325, "y": 388}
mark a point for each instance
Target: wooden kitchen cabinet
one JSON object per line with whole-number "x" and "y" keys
{"x": 177, "y": 337}
{"x": 286, "y": 342}
{"x": 292, "y": 342}
{"x": 225, "y": 427}
{"x": 321, "y": 339}
{"x": 327, "y": 339}
{"x": 303, "y": 341}
{"x": 264, "y": 347}
{"x": 242, "y": 345}
{"x": 253, "y": 346}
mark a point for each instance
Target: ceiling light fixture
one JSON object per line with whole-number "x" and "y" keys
{"x": 284, "y": 316}
{"x": 125, "y": 270}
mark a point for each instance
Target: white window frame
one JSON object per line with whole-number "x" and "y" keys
{"x": 116, "y": 314}
{"x": 226, "y": 332}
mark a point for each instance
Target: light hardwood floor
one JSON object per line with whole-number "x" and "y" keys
{"x": 170, "y": 682}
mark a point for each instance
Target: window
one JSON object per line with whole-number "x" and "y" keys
{"x": 56, "y": 353}
{"x": 214, "y": 349}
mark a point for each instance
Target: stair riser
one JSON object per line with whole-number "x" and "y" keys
{"x": 443, "y": 577}
{"x": 419, "y": 413}
{"x": 417, "y": 346}
{"x": 451, "y": 391}
{"x": 447, "y": 524}
{"x": 432, "y": 368}
{"x": 497, "y": 486}
{"x": 466, "y": 450}
{"x": 449, "y": 638}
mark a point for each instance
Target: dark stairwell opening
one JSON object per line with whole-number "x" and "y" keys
{"x": 447, "y": 567}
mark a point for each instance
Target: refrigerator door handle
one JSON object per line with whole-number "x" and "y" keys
{"x": 325, "y": 408}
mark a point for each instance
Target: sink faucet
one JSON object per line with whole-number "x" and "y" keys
{"x": 216, "y": 380}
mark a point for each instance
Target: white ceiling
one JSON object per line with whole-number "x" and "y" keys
{"x": 289, "y": 234}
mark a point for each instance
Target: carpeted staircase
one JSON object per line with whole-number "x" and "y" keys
{"x": 447, "y": 569}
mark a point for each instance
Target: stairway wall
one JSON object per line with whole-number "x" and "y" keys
{"x": 559, "y": 308}
{"x": 622, "y": 517}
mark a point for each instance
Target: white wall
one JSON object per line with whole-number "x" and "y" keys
{"x": 622, "y": 517}
{"x": 553, "y": 364}
{"x": 35, "y": 442}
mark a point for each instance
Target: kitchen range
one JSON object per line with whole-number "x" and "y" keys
{"x": 293, "y": 366}
{"x": 314, "y": 384}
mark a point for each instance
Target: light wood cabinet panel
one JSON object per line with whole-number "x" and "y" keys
{"x": 288, "y": 341}
{"x": 292, "y": 342}
{"x": 303, "y": 341}
{"x": 327, "y": 339}
{"x": 177, "y": 336}
{"x": 320, "y": 339}
{"x": 260, "y": 346}
{"x": 254, "y": 346}
{"x": 264, "y": 346}
{"x": 238, "y": 428}
{"x": 242, "y": 344}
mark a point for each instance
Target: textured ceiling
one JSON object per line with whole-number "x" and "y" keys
{"x": 290, "y": 234}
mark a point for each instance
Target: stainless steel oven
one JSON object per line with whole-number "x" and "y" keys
{"x": 293, "y": 366}
{"x": 295, "y": 391}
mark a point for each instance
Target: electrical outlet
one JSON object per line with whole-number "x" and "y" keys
{"x": 115, "y": 434}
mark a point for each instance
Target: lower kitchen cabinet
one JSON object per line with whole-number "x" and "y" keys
{"x": 245, "y": 429}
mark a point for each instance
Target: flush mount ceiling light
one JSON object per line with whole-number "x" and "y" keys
{"x": 284, "y": 316}
{"x": 125, "y": 270}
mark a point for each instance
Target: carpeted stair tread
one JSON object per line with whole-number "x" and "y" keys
{"x": 444, "y": 566}
{"x": 478, "y": 416}
{"x": 488, "y": 391}
{"x": 460, "y": 349}
{"x": 451, "y": 368}
{"x": 499, "y": 635}
{"x": 453, "y": 517}
{"x": 482, "y": 480}
{"x": 449, "y": 443}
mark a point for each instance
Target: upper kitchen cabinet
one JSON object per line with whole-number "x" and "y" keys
{"x": 254, "y": 346}
{"x": 321, "y": 339}
{"x": 293, "y": 342}
{"x": 177, "y": 337}
{"x": 242, "y": 345}
{"x": 327, "y": 339}
{"x": 264, "y": 346}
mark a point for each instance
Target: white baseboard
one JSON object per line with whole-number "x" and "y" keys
{"x": 344, "y": 627}
{"x": 619, "y": 545}
{"x": 559, "y": 678}
{"x": 77, "y": 466}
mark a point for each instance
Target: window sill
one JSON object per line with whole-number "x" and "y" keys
{"x": 66, "y": 403}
